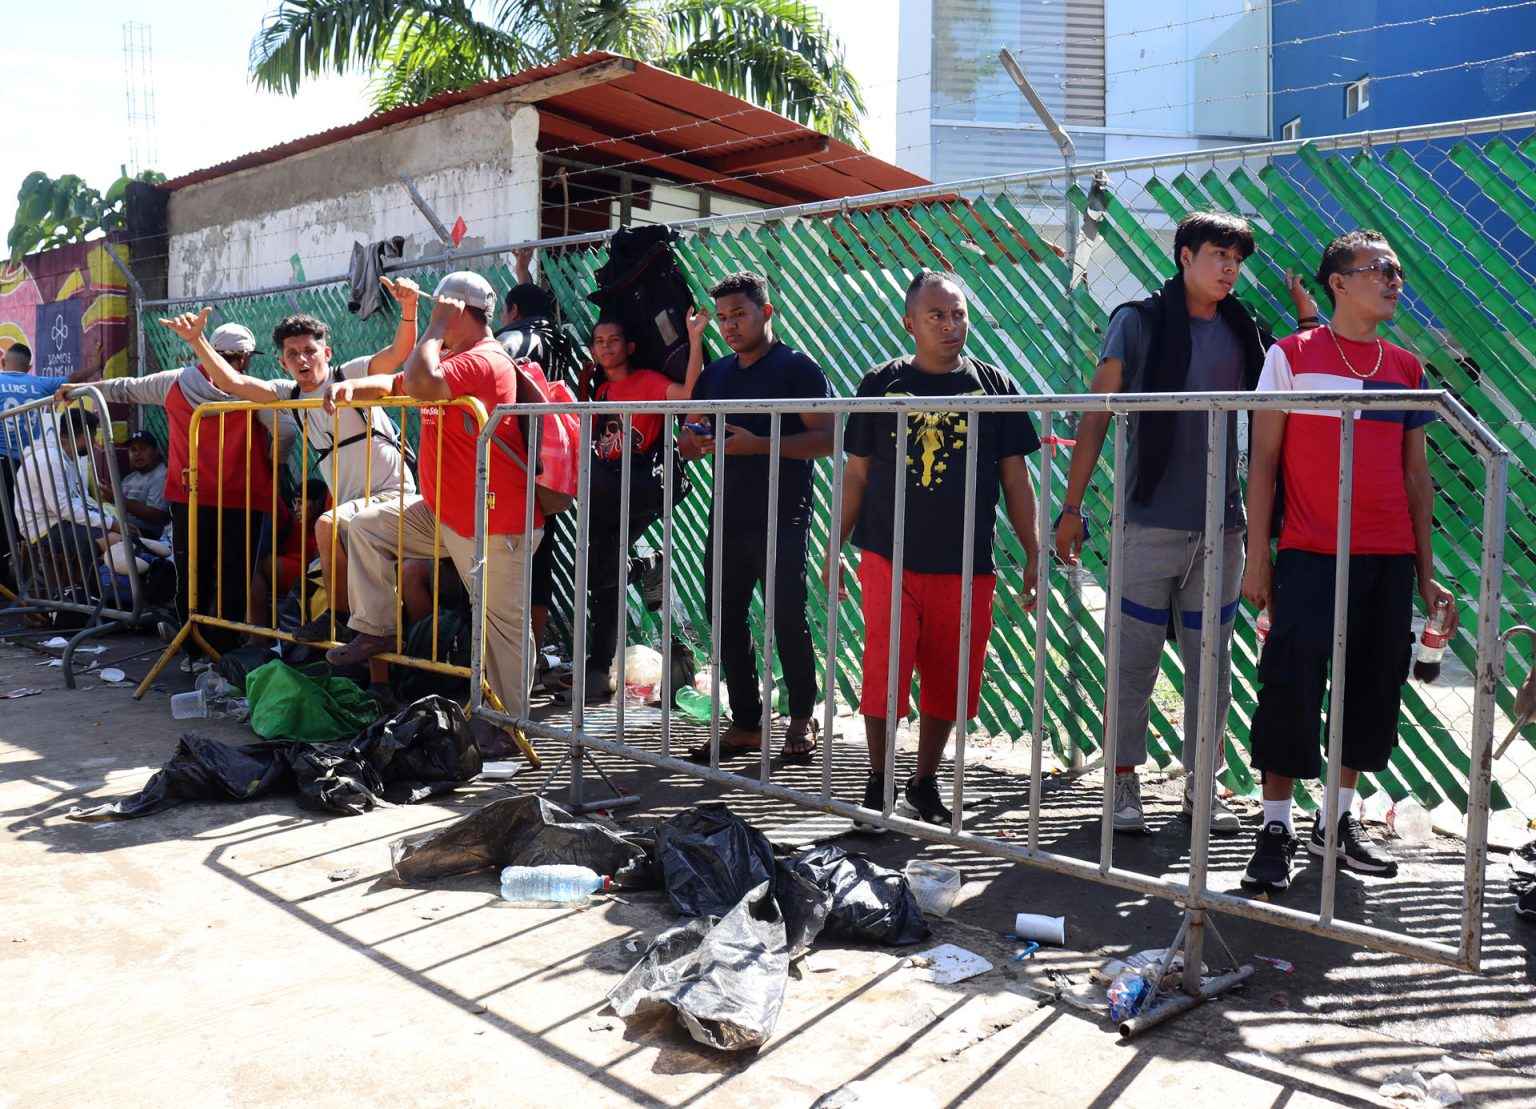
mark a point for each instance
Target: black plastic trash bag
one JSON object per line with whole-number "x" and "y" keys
{"x": 515, "y": 831}
{"x": 869, "y": 902}
{"x": 803, "y": 903}
{"x": 710, "y": 858}
{"x": 725, "y": 978}
{"x": 202, "y": 770}
{"x": 424, "y": 749}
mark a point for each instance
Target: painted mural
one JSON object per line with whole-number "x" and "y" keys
{"x": 70, "y": 305}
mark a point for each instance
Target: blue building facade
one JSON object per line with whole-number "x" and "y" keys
{"x": 1345, "y": 43}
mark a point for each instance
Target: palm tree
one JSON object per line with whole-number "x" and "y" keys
{"x": 774, "y": 53}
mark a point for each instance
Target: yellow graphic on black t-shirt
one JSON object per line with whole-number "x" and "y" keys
{"x": 933, "y": 440}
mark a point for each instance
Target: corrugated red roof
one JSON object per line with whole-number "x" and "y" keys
{"x": 652, "y": 122}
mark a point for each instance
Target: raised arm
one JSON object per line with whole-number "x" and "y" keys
{"x": 190, "y": 327}
{"x": 423, "y": 377}
{"x": 698, "y": 322}
{"x": 371, "y": 387}
{"x": 392, "y": 357}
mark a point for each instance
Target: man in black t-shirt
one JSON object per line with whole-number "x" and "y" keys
{"x": 760, "y": 367}
{"x": 932, "y": 468}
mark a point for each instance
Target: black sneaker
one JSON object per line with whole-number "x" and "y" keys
{"x": 318, "y": 630}
{"x": 1270, "y": 866}
{"x": 921, "y": 799}
{"x": 874, "y": 800}
{"x": 1356, "y": 849}
{"x": 646, "y": 572}
{"x": 1526, "y": 905}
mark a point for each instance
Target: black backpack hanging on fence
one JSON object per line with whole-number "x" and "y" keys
{"x": 642, "y": 286}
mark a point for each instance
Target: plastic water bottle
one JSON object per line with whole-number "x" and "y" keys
{"x": 551, "y": 884}
{"x": 1262, "y": 625}
{"x": 1410, "y": 821}
{"x": 698, "y": 706}
{"x": 1128, "y": 993}
{"x": 1437, "y": 631}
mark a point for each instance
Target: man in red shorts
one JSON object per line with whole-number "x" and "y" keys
{"x": 1391, "y": 518}
{"x": 933, "y": 468}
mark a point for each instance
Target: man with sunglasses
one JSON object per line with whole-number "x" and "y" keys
{"x": 1391, "y": 514}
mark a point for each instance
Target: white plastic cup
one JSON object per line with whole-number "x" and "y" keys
{"x": 1044, "y": 929}
{"x": 189, "y": 706}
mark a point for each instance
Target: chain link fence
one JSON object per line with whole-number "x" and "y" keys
{"x": 1046, "y": 257}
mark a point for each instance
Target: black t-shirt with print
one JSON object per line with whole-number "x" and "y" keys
{"x": 935, "y": 463}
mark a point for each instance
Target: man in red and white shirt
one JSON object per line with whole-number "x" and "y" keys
{"x": 456, "y": 356}
{"x": 1391, "y": 514}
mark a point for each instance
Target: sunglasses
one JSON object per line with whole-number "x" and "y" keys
{"x": 1382, "y": 267}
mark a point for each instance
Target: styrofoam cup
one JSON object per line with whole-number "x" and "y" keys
{"x": 1045, "y": 929}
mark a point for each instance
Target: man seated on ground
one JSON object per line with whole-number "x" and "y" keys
{"x": 64, "y": 528}
{"x": 19, "y": 386}
{"x": 457, "y": 356}
{"x": 1295, "y": 456}
{"x": 143, "y": 487}
{"x": 356, "y": 450}
{"x": 235, "y": 476}
{"x": 930, "y": 461}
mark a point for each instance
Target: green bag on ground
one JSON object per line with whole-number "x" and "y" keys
{"x": 286, "y": 704}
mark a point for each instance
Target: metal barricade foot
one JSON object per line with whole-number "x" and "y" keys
{"x": 1190, "y": 941}
{"x": 580, "y": 757}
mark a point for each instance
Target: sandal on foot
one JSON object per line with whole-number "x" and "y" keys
{"x": 700, "y": 752}
{"x": 800, "y": 755}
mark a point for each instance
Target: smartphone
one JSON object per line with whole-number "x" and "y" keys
{"x": 700, "y": 429}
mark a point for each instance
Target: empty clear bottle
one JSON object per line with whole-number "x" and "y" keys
{"x": 1437, "y": 631}
{"x": 551, "y": 884}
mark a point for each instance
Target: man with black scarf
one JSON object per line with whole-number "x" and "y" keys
{"x": 1190, "y": 336}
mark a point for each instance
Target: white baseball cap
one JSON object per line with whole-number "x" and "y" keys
{"x": 233, "y": 338}
{"x": 474, "y": 290}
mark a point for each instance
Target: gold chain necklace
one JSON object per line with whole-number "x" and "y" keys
{"x": 1380, "y": 351}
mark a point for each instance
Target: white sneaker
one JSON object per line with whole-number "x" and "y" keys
{"x": 1224, "y": 821}
{"x": 190, "y": 665}
{"x": 1128, "y": 816}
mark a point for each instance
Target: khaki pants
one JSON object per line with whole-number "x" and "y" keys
{"x": 372, "y": 538}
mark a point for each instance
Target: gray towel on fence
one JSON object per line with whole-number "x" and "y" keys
{"x": 367, "y": 296}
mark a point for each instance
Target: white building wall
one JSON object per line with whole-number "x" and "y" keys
{"x": 244, "y": 230}
{"x": 914, "y": 87}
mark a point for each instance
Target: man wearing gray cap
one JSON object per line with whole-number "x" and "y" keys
{"x": 456, "y": 356}
{"x": 234, "y": 462}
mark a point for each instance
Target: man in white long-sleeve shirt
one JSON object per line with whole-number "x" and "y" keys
{"x": 56, "y": 516}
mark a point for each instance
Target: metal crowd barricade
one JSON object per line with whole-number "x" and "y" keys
{"x": 1195, "y": 895}
{"x": 59, "y": 570}
{"x": 199, "y": 615}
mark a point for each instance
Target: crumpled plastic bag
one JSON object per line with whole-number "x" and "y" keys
{"x": 288, "y": 704}
{"x": 424, "y": 749}
{"x": 710, "y": 858}
{"x": 724, "y": 977}
{"x": 869, "y": 902}
{"x": 516, "y": 831}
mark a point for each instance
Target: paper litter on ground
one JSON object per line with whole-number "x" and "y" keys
{"x": 947, "y": 964}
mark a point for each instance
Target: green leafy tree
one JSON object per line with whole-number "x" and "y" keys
{"x": 53, "y": 211}
{"x": 775, "y": 53}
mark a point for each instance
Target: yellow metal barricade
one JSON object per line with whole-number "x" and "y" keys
{"x": 212, "y": 615}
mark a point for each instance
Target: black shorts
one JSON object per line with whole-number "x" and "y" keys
{"x": 541, "y": 586}
{"x": 1288, "y": 736}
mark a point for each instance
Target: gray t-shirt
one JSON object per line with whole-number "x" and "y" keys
{"x": 148, "y": 488}
{"x": 1215, "y": 365}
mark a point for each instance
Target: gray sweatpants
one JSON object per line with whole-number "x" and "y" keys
{"x": 1164, "y": 571}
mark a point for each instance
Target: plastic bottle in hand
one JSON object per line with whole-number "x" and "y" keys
{"x": 1437, "y": 631}
{"x": 1128, "y": 993}
{"x": 551, "y": 884}
{"x": 1262, "y": 625}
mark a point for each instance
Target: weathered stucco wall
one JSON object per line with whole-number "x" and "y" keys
{"x": 270, "y": 225}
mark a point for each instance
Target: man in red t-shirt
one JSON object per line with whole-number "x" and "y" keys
{"x": 383, "y": 534}
{"x": 1391, "y": 514}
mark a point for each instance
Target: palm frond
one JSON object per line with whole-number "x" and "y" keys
{"x": 777, "y": 53}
